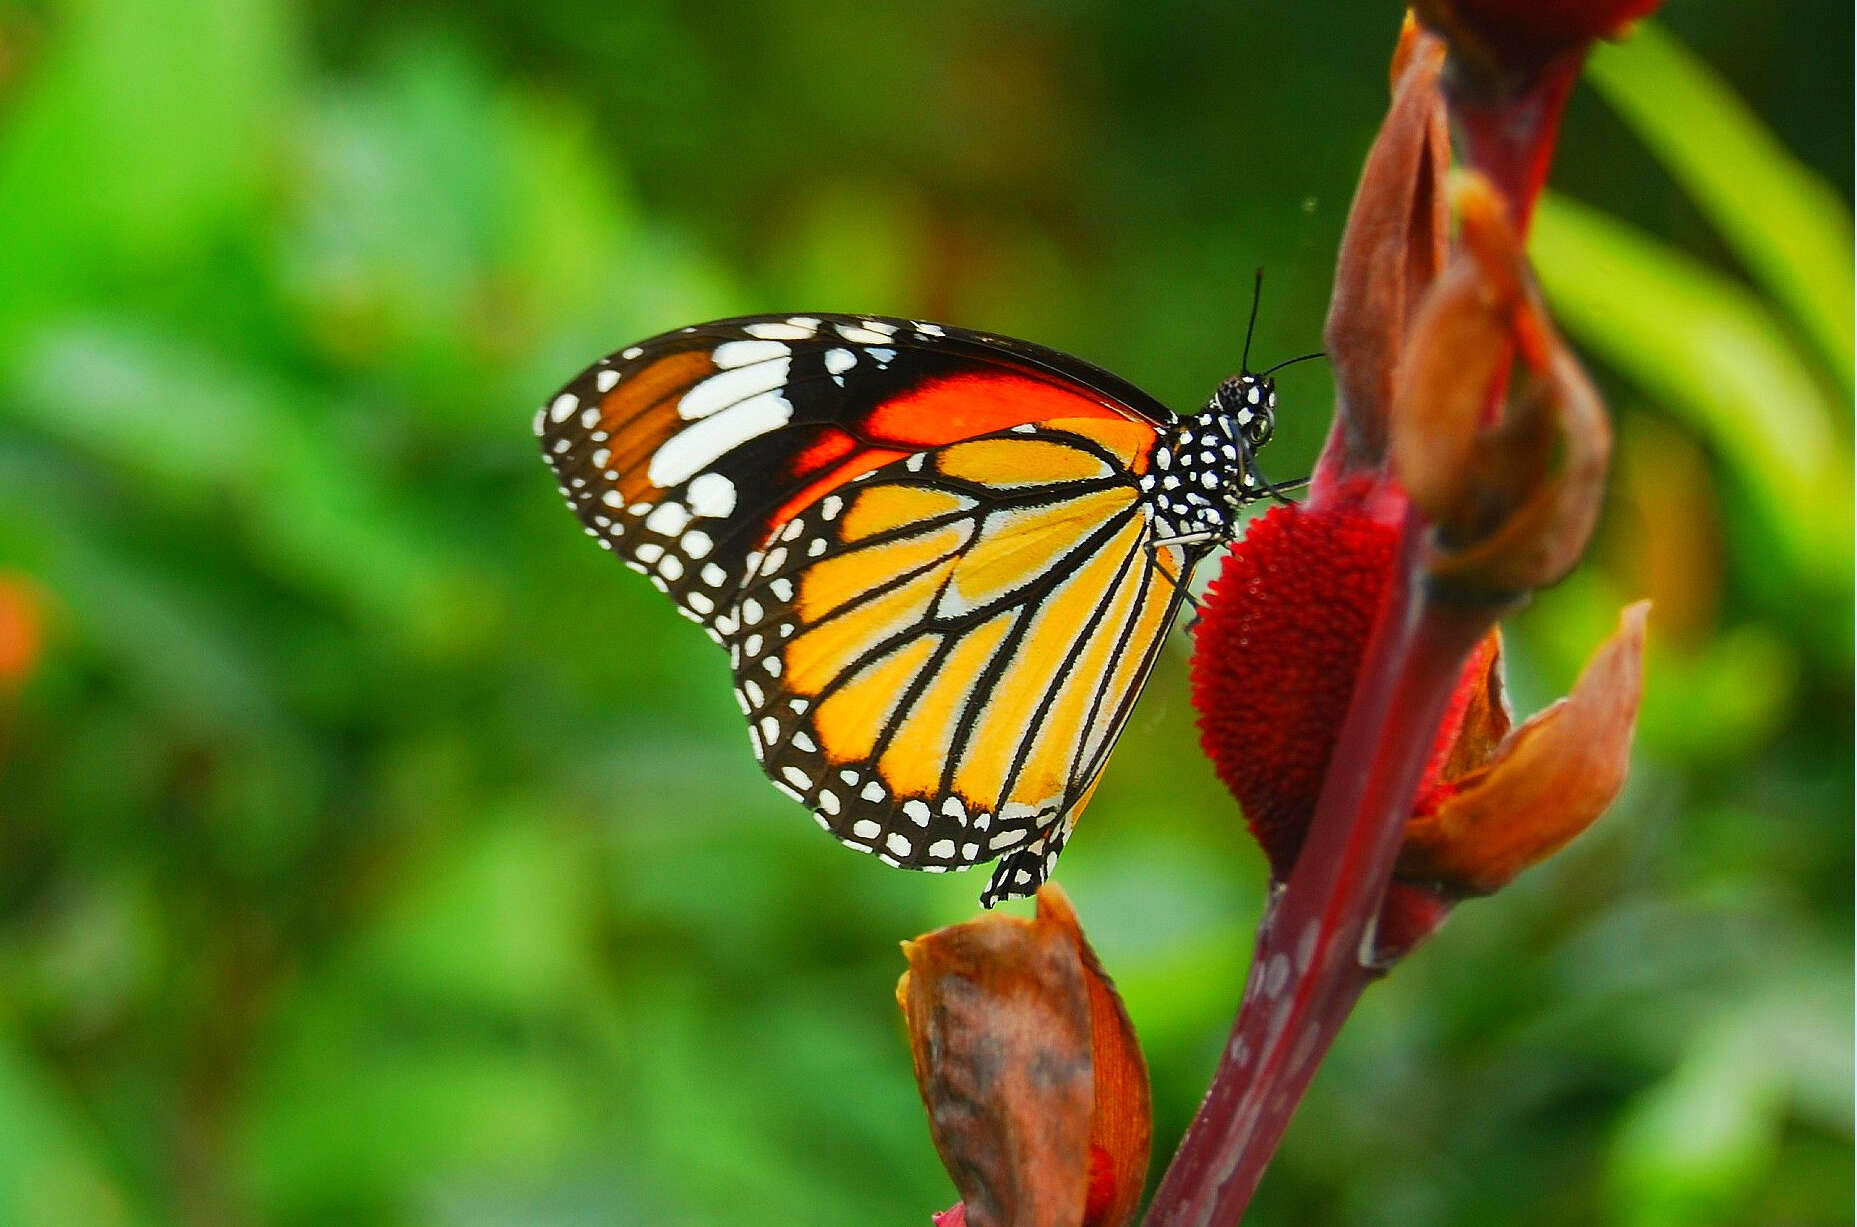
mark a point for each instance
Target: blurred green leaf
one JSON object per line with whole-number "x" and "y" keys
{"x": 455, "y": 1027}
{"x": 311, "y": 501}
{"x": 152, "y": 126}
{"x": 1691, "y": 1149}
{"x": 53, "y": 1169}
{"x": 1786, "y": 224}
{"x": 1719, "y": 702}
{"x": 1696, "y": 1145}
{"x": 503, "y": 919}
{"x": 1708, "y": 350}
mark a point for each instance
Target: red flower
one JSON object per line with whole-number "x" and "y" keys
{"x": 1347, "y": 668}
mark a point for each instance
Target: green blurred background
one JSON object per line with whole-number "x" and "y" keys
{"x": 373, "y": 850}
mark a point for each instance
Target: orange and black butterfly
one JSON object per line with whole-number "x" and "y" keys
{"x": 942, "y": 562}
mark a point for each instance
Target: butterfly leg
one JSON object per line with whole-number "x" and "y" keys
{"x": 1177, "y": 582}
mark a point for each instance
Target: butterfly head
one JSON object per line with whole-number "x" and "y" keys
{"x": 1205, "y": 469}
{"x": 1243, "y": 411}
{"x": 1248, "y": 404}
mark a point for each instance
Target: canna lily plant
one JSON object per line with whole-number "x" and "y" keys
{"x": 1347, "y": 669}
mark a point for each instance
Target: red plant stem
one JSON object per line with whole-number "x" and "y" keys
{"x": 1314, "y": 947}
{"x": 1511, "y": 137}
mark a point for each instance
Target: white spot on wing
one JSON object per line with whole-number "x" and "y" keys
{"x": 796, "y": 329}
{"x": 564, "y": 406}
{"x": 745, "y": 353}
{"x": 699, "y": 446}
{"x": 711, "y": 495}
{"x": 733, "y": 386}
{"x": 668, "y": 519}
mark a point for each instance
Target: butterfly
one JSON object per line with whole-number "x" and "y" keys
{"x": 942, "y": 562}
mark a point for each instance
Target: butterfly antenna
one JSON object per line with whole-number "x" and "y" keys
{"x": 1279, "y": 489}
{"x": 1257, "y": 294}
{"x": 1293, "y": 361}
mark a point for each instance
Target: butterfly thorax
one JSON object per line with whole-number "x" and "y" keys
{"x": 1203, "y": 468}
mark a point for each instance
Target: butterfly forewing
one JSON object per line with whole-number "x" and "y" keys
{"x": 924, "y": 549}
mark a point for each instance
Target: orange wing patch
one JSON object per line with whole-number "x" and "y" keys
{"x": 1129, "y": 440}
{"x": 639, "y": 414}
{"x": 1009, "y": 716}
{"x": 913, "y": 764}
{"x": 821, "y": 653}
{"x": 942, "y": 411}
{"x": 834, "y": 583}
{"x": 850, "y": 720}
{"x": 879, "y": 509}
{"x": 963, "y": 639}
{"x": 1021, "y": 545}
{"x": 1014, "y": 461}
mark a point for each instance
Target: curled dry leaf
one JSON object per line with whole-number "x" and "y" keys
{"x": 1394, "y": 245}
{"x": 1036, "y": 1090}
{"x": 1545, "y": 782}
{"x": 1513, "y": 483}
{"x": 1122, "y": 1116}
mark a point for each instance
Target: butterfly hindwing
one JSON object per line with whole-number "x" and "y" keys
{"x": 936, "y": 658}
